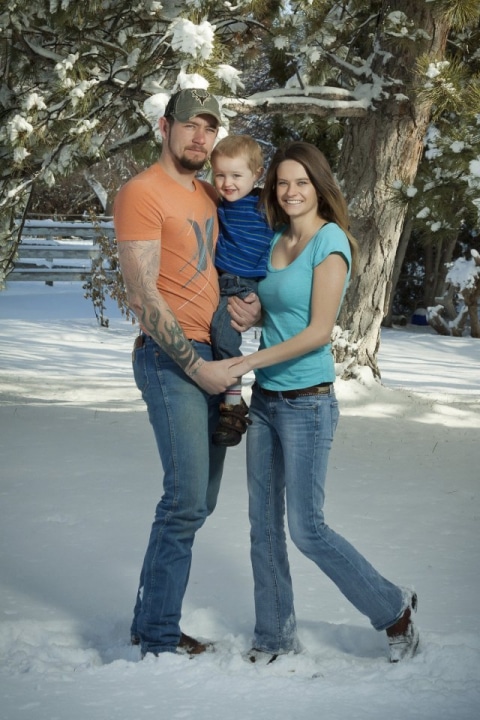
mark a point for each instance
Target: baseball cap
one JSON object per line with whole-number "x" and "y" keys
{"x": 189, "y": 103}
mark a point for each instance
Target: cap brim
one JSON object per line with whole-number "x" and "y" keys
{"x": 185, "y": 117}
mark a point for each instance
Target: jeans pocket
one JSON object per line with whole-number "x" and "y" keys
{"x": 139, "y": 370}
{"x": 302, "y": 402}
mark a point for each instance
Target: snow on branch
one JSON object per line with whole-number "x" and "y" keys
{"x": 321, "y": 101}
{"x": 42, "y": 51}
{"x": 463, "y": 278}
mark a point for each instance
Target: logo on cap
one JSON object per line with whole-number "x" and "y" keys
{"x": 200, "y": 98}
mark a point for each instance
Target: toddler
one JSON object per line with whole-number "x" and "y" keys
{"x": 241, "y": 259}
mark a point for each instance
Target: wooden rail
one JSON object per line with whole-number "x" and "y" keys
{"x": 54, "y": 250}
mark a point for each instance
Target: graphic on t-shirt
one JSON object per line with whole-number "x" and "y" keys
{"x": 204, "y": 249}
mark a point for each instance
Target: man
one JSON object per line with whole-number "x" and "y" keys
{"x": 166, "y": 229}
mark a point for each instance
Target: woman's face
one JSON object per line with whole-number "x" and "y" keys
{"x": 296, "y": 194}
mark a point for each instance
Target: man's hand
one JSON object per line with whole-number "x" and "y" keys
{"x": 215, "y": 377}
{"x": 244, "y": 313}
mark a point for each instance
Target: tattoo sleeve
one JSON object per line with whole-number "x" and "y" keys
{"x": 139, "y": 261}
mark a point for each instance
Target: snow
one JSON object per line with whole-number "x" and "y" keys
{"x": 191, "y": 39}
{"x": 463, "y": 273}
{"x": 230, "y": 76}
{"x": 19, "y": 127}
{"x": 474, "y": 167}
{"x": 80, "y": 479}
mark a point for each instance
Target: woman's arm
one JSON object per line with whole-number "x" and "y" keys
{"x": 328, "y": 282}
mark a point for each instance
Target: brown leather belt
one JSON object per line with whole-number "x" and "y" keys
{"x": 321, "y": 389}
{"x": 140, "y": 341}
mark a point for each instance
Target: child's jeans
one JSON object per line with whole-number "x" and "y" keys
{"x": 226, "y": 341}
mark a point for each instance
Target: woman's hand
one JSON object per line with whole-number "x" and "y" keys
{"x": 240, "y": 366}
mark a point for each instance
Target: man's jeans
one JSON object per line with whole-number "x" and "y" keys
{"x": 226, "y": 341}
{"x": 183, "y": 418}
{"x": 288, "y": 445}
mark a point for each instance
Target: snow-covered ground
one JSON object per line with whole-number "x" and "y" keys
{"x": 80, "y": 479}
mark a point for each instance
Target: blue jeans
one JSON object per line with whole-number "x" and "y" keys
{"x": 288, "y": 445}
{"x": 183, "y": 418}
{"x": 226, "y": 341}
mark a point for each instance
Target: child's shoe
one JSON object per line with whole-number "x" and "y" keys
{"x": 232, "y": 424}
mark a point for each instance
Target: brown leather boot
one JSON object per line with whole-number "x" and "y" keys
{"x": 186, "y": 645}
{"x": 232, "y": 424}
{"x": 192, "y": 646}
{"x": 403, "y": 636}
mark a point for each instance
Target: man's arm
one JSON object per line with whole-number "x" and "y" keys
{"x": 140, "y": 261}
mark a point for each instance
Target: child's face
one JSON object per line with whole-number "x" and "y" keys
{"x": 233, "y": 178}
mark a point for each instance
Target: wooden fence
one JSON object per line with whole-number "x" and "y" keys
{"x": 59, "y": 250}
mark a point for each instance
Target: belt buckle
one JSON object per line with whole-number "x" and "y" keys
{"x": 315, "y": 390}
{"x": 323, "y": 389}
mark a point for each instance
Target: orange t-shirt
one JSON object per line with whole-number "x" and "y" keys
{"x": 153, "y": 206}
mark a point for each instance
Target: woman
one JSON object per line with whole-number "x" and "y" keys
{"x": 294, "y": 412}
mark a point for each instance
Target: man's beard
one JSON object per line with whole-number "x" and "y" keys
{"x": 188, "y": 164}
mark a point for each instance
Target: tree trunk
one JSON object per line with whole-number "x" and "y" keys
{"x": 12, "y": 218}
{"x": 377, "y": 151}
{"x": 397, "y": 266}
{"x": 471, "y": 296}
{"x": 437, "y": 255}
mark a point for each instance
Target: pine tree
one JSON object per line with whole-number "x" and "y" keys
{"x": 75, "y": 77}
{"x": 368, "y": 82}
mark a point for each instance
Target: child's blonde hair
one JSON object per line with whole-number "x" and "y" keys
{"x": 234, "y": 145}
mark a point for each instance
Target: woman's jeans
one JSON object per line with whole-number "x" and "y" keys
{"x": 183, "y": 418}
{"x": 226, "y": 341}
{"x": 288, "y": 445}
